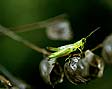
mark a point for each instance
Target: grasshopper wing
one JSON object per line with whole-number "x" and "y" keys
{"x": 53, "y": 49}
{"x": 60, "y": 53}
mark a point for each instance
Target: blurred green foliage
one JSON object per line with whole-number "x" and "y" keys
{"x": 84, "y": 15}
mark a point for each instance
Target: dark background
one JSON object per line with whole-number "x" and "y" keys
{"x": 84, "y": 16}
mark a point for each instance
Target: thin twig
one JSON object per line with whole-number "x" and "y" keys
{"x": 18, "y": 38}
{"x": 15, "y": 81}
{"x": 97, "y": 47}
{"x": 37, "y": 25}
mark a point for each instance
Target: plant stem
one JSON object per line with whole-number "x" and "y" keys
{"x": 18, "y": 38}
{"x": 37, "y": 25}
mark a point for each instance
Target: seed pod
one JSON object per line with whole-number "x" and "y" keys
{"x": 82, "y": 70}
{"x": 59, "y": 29}
{"x": 94, "y": 65}
{"x": 107, "y": 49}
{"x": 51, "y": 72}
{"x": 73, "y": 71}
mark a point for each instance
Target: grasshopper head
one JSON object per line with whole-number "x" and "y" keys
{"x": 83, "y": 40}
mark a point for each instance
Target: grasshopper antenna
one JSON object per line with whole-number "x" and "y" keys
{"x": 93, "y": 32}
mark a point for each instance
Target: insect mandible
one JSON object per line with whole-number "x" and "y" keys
{"x": 67, "y": 49}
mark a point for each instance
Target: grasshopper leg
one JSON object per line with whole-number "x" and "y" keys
{"x": 68, "y": 58}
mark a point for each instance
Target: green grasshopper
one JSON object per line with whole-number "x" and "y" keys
{"x": 67, "y": 49}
